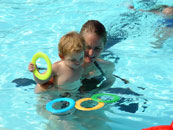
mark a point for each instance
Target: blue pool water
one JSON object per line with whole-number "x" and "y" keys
{"x": 27, "y": 27}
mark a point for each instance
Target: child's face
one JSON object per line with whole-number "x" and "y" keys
{"x": 74, "y": 60}
{"x": 94, "y": 46}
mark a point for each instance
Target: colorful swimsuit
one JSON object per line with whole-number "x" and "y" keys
{"x": 168, "y": 22}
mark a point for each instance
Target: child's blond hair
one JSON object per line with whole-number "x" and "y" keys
{"x": 71, "y": 43}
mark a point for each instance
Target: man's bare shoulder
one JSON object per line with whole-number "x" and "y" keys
{"x": 105, "y": 63}
{"x": 107, "y": 67}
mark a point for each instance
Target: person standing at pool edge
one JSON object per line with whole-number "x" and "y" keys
{"x": 66, "y": 73}
{"x": 98, "y": 73}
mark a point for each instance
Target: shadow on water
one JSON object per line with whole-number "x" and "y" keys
{"x": 122, "y": 91}
{"x": 127, "y": 104}
{"x": 21, "y": 82}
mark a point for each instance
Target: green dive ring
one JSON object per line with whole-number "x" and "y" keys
{"x": 95, "y": 97}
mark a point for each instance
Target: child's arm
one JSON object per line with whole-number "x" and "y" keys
{"x": 42, "y": 85}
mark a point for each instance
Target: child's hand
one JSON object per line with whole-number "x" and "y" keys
{"x": 31, "y": 67}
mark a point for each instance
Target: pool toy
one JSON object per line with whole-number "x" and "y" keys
{"x": 95, "y": 97}
{"x": 49, "y": 66}
{"x": 79, "y": 102}
{"x": 79, "y": 107}
{"x": 58, "y": 111}
{"x": 161, "y": 127}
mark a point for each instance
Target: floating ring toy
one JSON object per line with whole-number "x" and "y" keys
{"x": 95, "y": 98}
{"x": 49, "y": 66}
{"x": 79, "y": 107}
{"x": 57, "y": 111}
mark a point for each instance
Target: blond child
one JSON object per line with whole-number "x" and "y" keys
{"x": 66, "y": 73}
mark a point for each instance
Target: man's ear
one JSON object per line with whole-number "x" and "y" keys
{"x": 61, "y": 56}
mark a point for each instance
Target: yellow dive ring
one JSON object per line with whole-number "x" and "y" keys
{"x": 79, "y": 107}
{"x": 49, "y": 66}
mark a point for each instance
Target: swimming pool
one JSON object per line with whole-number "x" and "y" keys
{"x": 27, "y": 27}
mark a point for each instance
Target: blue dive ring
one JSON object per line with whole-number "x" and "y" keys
{"x": 57, "y": 111}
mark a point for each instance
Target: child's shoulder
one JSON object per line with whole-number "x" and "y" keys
{"x": 57, "y": 63}
{"x": 56, "y": 66}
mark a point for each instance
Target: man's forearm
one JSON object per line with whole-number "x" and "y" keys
{"x": 106, "y": 84}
